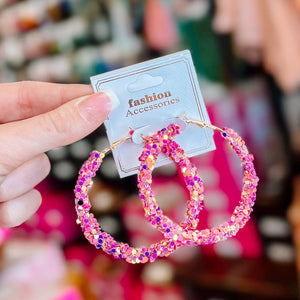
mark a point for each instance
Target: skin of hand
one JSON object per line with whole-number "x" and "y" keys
{"x": 34, "y": 118}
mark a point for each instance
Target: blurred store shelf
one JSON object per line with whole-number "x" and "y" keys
{"x": 240, "y": 279}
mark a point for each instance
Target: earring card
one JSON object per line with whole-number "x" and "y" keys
{"x": 152, "y": 94}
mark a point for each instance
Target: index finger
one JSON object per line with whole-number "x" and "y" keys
{"x": 25, "y": 99}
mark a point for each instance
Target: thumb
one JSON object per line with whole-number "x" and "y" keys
{"x": 22, "y": 140}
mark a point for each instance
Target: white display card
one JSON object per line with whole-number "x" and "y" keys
{"x": 153, "y": 94}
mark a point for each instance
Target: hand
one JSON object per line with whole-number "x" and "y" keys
{"x": 34, "y": 118}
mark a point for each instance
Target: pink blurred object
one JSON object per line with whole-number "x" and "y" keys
{"x": 25, "y": 259}
{"x": 225, "y": 17}
{"x": 55, "y": 218}
{"x": 31, "y": 269}
{"x": 159, "y": 26}
{"x": 265, "y": 31}
{"x": 282, "y": 42}
{"x": 248, "y": 36}
{"x": 5, "y": 234}
{"x": 69, "y": 293}
{"x": 173, "y": 292}
{"x": 112, "y": 279}
{"x": 83, "y": 255}
{"x": 106, "y": 277}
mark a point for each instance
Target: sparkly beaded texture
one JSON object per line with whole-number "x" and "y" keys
{"x": 182, "y": 234}
{"x": 175, "y": 235}
{"x": 154, "y": 145}
{"x": 90, "y": 226}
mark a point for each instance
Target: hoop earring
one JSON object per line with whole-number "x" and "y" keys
{"x": 154, "y": 145}
{"x": 181, "y": 234}
{"x": 175, "y": 235}
{"x": 91, "y": 228}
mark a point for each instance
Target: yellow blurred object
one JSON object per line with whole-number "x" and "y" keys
{"x": 76, "y": 277}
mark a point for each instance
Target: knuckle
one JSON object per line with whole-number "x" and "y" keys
{"x": 57, "y": 121}
{"x": 24, "y": 102}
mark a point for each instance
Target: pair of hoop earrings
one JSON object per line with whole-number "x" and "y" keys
{"x": 174, "y": 235}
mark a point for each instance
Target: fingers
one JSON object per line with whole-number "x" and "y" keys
{"x": 24, "y": 178}
{"x": 18, "y": 210}
{"x": 19, "y": 201}
{"x": 22, "y": 140}
{"x": 25, "y": 99}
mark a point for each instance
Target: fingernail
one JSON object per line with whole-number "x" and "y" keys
{"x": 93, "y": 107}
{"x": 113, "y": 98}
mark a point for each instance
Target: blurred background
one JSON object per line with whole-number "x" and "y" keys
{"x": 247, "y": 56}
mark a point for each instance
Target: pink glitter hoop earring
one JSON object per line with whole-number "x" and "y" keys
{"x": 154, "y": 145}
{"x": 90, "y": 226}
{"x": 180, "y": 234}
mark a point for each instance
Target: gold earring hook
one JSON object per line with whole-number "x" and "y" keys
{"x": 201, "y": 124}
{"x": 114, "y": 145}
{"x": 182, "y": 117}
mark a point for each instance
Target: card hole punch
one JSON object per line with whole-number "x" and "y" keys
{"x": 143, "y": 82}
